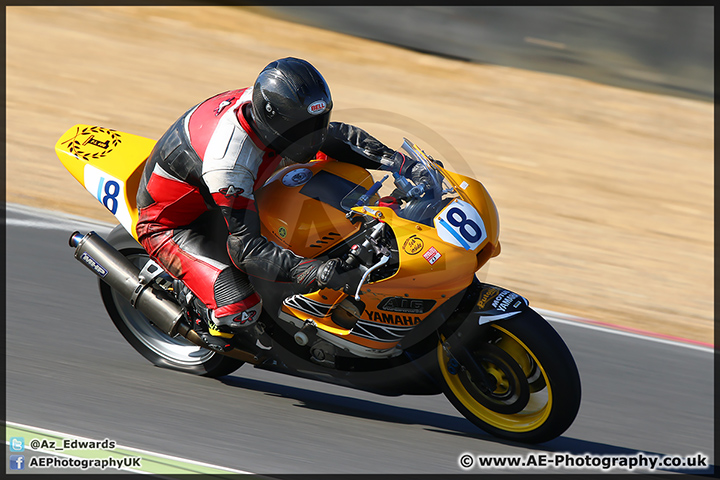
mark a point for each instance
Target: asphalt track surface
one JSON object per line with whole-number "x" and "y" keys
{"x": 69, "y": 370}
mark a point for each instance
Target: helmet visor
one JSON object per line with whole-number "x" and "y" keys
{"x": 303, "y": 140}
{"x": 299, "y": 152}
{"x": 311, "y": 130}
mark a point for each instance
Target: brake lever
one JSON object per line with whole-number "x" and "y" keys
{"x": 385, "y": 258}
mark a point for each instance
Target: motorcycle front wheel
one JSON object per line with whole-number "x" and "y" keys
{"x": 176, "y": 353}
{"x": 521, "y": 382}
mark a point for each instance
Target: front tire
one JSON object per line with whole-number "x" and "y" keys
{"x": 531, "y": 392}
{"x": 176, "y": 353}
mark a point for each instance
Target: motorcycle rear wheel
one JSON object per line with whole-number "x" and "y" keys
{"x": 176, "y": 353}
{"x": 536, "y": 392}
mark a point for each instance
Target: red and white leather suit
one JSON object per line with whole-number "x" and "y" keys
{"x": 197, "y": 213}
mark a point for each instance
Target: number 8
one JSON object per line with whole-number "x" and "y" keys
{"x": 112, "y": 189}
{"x": 457, "y": 218}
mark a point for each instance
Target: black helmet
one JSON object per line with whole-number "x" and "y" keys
{"x": 291, "y": 106}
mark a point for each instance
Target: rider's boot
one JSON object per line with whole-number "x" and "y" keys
{"x": 220, "y": 336}
{"x": 209, "y": 332}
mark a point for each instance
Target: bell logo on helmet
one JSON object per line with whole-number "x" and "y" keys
{"x": 317, "y": 108}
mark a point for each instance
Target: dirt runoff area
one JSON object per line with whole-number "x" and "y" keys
{"x": 605, "y": 194}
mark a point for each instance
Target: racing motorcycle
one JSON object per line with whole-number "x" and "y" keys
{"x": 418, "y": 322}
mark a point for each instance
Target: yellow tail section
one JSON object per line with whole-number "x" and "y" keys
{"x": 108, "y": 164}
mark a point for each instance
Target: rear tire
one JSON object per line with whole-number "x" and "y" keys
{"x": 176, "y": 353}
{"x": 534, "y": 359}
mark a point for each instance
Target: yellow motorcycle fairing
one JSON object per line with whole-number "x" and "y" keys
{"x": 430, "y": 269}
{"x": 299, "y": 209}
{"x": 475, "y": 193}
{"x": 109, "y": 165}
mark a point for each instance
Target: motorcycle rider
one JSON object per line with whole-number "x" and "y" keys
{"x": 197, "y": 213}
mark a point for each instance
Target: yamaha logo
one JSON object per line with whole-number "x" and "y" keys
{"x": 317, "y": 108}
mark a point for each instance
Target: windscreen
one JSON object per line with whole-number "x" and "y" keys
{"x": 418, "y": 200}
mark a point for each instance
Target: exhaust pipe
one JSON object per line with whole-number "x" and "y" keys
{"x": 124, "y": 277}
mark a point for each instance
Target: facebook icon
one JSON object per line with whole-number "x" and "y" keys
{"x": 17, "y": 462}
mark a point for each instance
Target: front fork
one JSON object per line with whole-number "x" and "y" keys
{"x": 461, "y": 358}
{"x": 492, "y": 304}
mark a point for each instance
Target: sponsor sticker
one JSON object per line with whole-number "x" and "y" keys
{"x": 432, "y": 255}
{"x": 89, "y": 143}
{"x": 487, "y": 295}
{"x": 413, "y": 245}
{"x": 282, "y": 231}
{"x": 500, "y": 299}
{"x": 93, "y": 264}
{"x": 297, "y": 177}
{"x": 504, "y": 299}
{"x": 316, "y": 108}
{"x": 406, "y": 305}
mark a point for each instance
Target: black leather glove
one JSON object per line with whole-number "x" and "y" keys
{"x": 419, "y": 175}
{"x": 315, "y": 274}
{"x": 407, "y": 167}
{"x": 352, "y": 144}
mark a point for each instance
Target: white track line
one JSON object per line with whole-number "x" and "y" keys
{"x": 560, "y": 318}
{"x": 63, "y": 220}
{"x": 47, "y": 219}
{"x": 61, "y": 225}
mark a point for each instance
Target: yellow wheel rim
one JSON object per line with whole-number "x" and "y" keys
{"x": 531, "y": 417}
